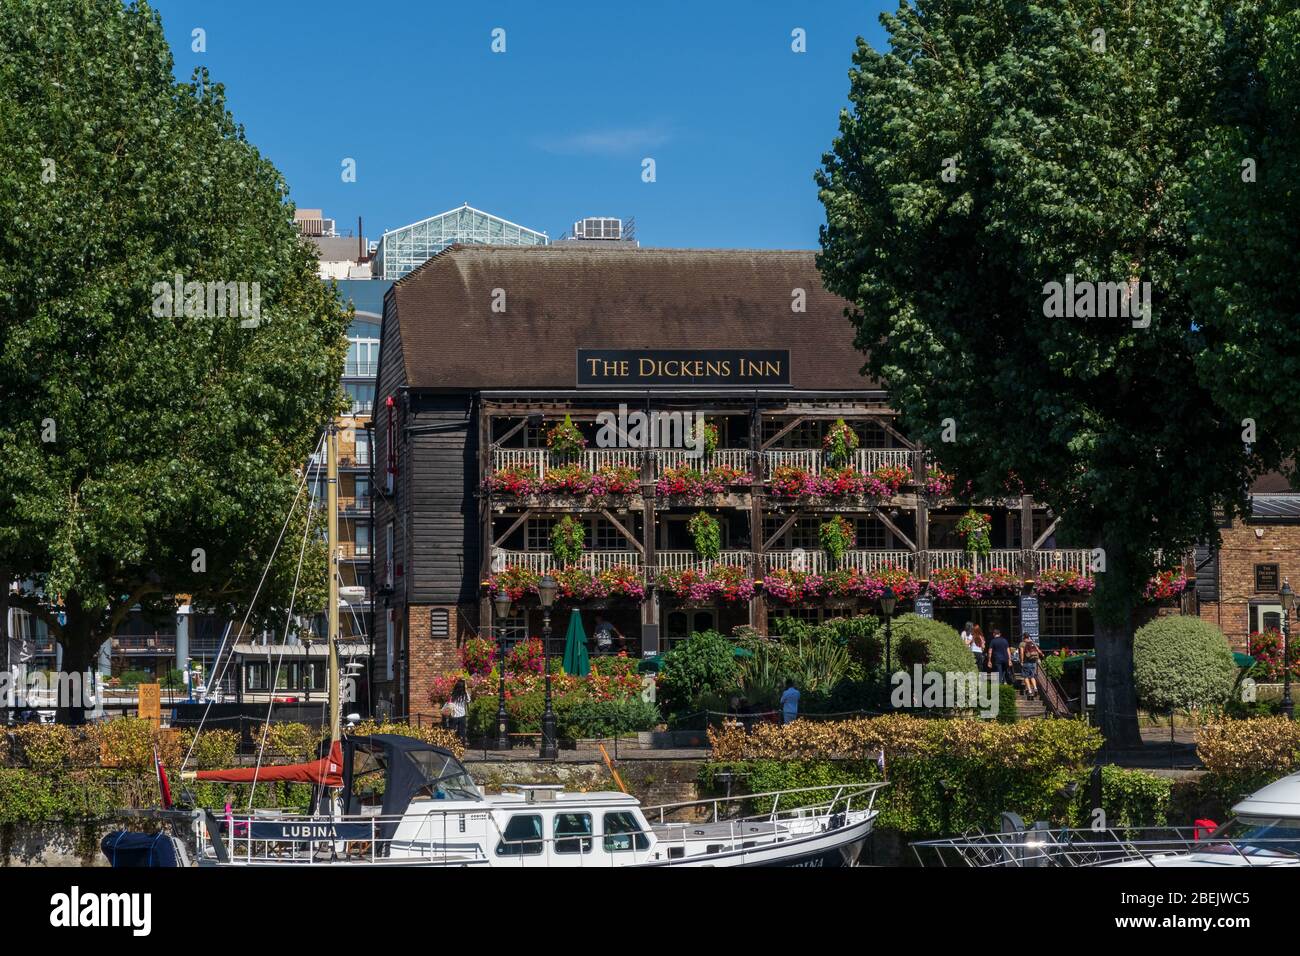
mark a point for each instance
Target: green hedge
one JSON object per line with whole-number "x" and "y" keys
{"x": 978, "y": 792}
{"x": 1182, "y": 661}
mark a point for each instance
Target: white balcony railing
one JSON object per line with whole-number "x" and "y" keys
{"x": 869, "y": 459}
{"x": 679, "y": 457}
{"x": 1065, "y": 559}
{"x": 542, "y": 561}
{"x": 689, "y": 560}
{"x": 539, "y": 459}
{"x": 816, "y": 561}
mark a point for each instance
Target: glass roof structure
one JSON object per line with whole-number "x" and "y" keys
{"x": 408, "y": 248}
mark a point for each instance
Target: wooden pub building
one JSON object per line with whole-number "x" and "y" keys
{"x": 511, "y": 406}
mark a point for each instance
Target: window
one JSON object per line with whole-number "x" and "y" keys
{"x": 363, "y": 447}
{"x": 603, "y": 536}
{"x": 537, "y": 534}
{"x": 362, "y": 356}
{"x": 573, "y": 833}
{"x": 388, "y": 556}
{"x": 871, "y": 435}
{"x": 805, "y": 534}
{"x": 1266, "y": 617}
{"x": 871, "y": 534}
{"x": 522, "y": 836}
{"x": 361, "y": 492}
{"x": 361, "y": 536}
{"x": 620, "y": 830}
{"x": 362, "y": 395}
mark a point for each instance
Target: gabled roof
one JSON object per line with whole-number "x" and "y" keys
{"x": 465, "y": 207}
{"x": 562, "y": 298}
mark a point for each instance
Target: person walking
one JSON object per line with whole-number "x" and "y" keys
{"x": 999, "y": 657}
{"x": 1030, "y": 655}
{"x": 978, "y": 647}
{"x": 457, "y": 708}
{"x": 789, "y": 702}
{"x": 605, "y": 633}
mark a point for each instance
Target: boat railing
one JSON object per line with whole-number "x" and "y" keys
{"x": 1043, "y": 847}
{"x": 839, "y": 797}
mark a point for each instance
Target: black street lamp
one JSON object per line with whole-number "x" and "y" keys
{"x": 1288, "y": 604}
{"x": 546, "y": 588}
{"x": 888, "y": 601}
{"x": 502, "y": 602}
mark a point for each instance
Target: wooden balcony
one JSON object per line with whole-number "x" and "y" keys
{"x": 690, "y": 561}
{"x": 865, "y": 460}
{"x": 542, "y": 561}
{"x": 816, "y": 561}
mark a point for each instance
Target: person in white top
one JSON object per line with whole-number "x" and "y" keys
{"x": 967, "y": 635}
{"x": 457, "y": 708}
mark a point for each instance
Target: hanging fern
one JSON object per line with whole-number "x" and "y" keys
{"x": 836, "y": 537}
{"x": 707, "y": 533}
{"x": 568, "y": 537}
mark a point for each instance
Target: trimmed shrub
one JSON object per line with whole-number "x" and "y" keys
{"x": 1243, "y": 755}
{"x": 704, "y": 662}
{"x": 608, "y": 718}
{"x": 1182, "y": 662}
{"x": 930, "y": 643}
{"x": 1007, "y": 713}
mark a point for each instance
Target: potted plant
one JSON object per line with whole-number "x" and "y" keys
{"x": 565, "y": 438}
{"x": 706, "y": 534}
{"x": 568, "y": 538}
{"x": 836, "y": 536}
{"x": 974, "y": 528}
{"x": 840, "y": 442}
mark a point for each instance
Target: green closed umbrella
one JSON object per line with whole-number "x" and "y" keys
{"x": 576, "y": 660}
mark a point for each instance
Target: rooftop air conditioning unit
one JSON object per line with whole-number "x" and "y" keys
{"x": 598, "y": 227}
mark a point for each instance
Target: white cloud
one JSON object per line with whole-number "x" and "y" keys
{"x": 607, "y": 142}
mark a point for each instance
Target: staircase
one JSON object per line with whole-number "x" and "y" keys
{"x": 1026, "y": 708}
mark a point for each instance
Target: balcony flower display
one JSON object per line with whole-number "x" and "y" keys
{"x": 514, "y": 580}
{"x": 622, "y": 580}
{"x": 565, "y": 438}
{"x": 1166, "y": 584}
{"x": 851, "y": 583}
{"x": 790, "y": 481}
{"x": 938, "y": 483}
{"x": 951, "y": 584}
{"x": 731, "y": 583}
{"x": 1062, "y": 581}
{"x": 574, "y": 584}
{"x": 839, "y": 483}
{"x": 904, "y": 583}
{"x": 519, "y": 480}
{"x": 692, "y": 483}
{"x": 793, "y": 587}
{"x": 616, "y": 480}
{"x": 886, "y": 480}
{"x": 998, "y": 580}
{"x": 567, "y": 480}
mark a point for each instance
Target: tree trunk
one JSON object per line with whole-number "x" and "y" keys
{"x": 1116, "y": 710}
{"x": 81, "y": 641}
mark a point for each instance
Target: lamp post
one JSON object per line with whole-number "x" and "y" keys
{"x": 546, "y": 588}
{"x": 888, "y": 600}
{"x": 1288, "y": 603}
{"x": 502, "y": 603}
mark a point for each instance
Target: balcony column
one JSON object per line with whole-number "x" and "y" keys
{"x": 651, "y": 638}
{"x": 1026, "y": 535}
{"x": 758, "y": 564}
{"x": 922, "y": 515}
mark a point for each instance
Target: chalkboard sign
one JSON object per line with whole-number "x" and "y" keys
{"x": 924, "y": 605}
{"x": 1029, "y": 615}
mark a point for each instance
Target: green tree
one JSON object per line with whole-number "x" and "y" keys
{"x": 150, "y": 448}
{"x": 996, "y": 148}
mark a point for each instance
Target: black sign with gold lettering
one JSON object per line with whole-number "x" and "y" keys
{"x": 676, "y": 368}
{"x": 1266, "y": 578}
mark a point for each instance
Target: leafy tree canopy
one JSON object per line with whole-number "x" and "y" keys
{"x": 149, "y": 449}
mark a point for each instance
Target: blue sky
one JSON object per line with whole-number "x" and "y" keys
{"x": 556, "y": 127}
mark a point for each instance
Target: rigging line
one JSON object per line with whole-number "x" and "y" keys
{"x": 284, "y": 643}
{"x": 215, "y": 678}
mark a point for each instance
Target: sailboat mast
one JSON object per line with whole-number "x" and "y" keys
{"x": 332, "y": 510}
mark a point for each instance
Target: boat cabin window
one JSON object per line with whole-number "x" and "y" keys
{"x": 620, "y": 829}
{"x": 1264, "y": 835}
{"x": 573, "y": 833}
{"x": 522, "y": 836}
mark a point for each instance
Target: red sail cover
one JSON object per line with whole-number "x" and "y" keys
{"x": 328, "y": 771}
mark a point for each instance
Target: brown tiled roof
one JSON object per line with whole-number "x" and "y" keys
{"x": 561, "y": 298}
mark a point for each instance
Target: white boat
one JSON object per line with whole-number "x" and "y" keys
{"x": 1264, "y": 832}
{"x": 397, "y": 801}
{"x": 390, "y": 800}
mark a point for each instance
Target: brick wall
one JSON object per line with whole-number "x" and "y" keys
{"x": 1244, "y": 546}
{"x": 427, "y": 656}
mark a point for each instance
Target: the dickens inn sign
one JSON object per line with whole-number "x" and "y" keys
{"x": 683, "y": 368}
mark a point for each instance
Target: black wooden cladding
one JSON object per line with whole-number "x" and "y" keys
{"x": 1207, "y": 573}
{"x": 441, "y": 452}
